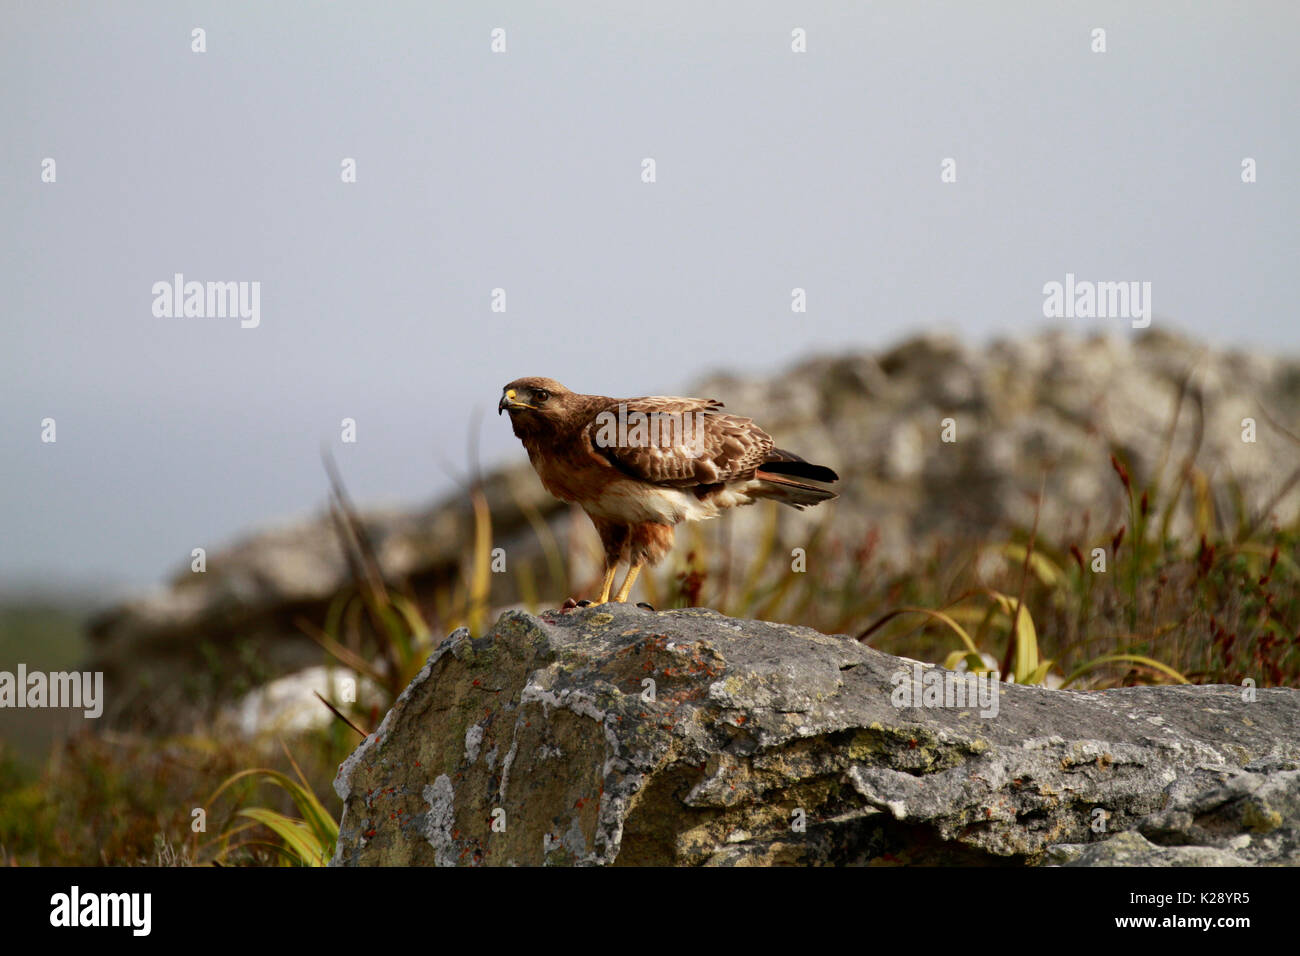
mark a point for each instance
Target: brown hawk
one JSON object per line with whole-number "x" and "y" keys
{"x": 639, "y": 466}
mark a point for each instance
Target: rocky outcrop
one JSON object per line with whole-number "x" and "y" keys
{"x": 1053, "y": 402}
{"x": 616, "y": 735}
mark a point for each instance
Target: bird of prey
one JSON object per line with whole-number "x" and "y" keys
{"x": 640, "y": 466}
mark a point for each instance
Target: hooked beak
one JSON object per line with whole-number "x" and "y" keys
{"x": 509, "y": 401}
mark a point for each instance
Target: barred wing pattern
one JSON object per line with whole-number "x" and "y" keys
{"x": 678, "y": 442}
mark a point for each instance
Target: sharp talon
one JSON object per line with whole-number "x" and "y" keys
{"x": 644, "y": 606}
{"x": 568, "y": 605}
{"x": 583, "y": 603}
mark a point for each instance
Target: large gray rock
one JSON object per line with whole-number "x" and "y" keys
{"x": 543, "y": 728}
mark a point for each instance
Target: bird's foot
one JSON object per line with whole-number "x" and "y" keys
{"x": 574, "y": 603}
{"x": 644, "y": 606}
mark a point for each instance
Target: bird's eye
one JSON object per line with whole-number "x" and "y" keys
{"x": 541, "y": 395}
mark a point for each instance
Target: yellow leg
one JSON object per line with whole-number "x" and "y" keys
{"x": 609, "y": 584}
{"x": 626, "y": 589}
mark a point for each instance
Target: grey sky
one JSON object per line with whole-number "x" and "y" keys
{"x": 523, "y": 171}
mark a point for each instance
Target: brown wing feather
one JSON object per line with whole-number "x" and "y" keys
{"x": 709, "y": 447}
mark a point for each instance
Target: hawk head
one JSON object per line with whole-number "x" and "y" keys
{"x": 536, "y": 403}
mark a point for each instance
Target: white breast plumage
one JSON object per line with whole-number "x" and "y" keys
{"x": 633, "y": 501}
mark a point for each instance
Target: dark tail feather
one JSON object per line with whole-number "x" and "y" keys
{"x": 781, "y": 462}
{"x": 793, "y": 493}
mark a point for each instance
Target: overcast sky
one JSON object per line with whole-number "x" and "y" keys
{"x": 523, "y": 170}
